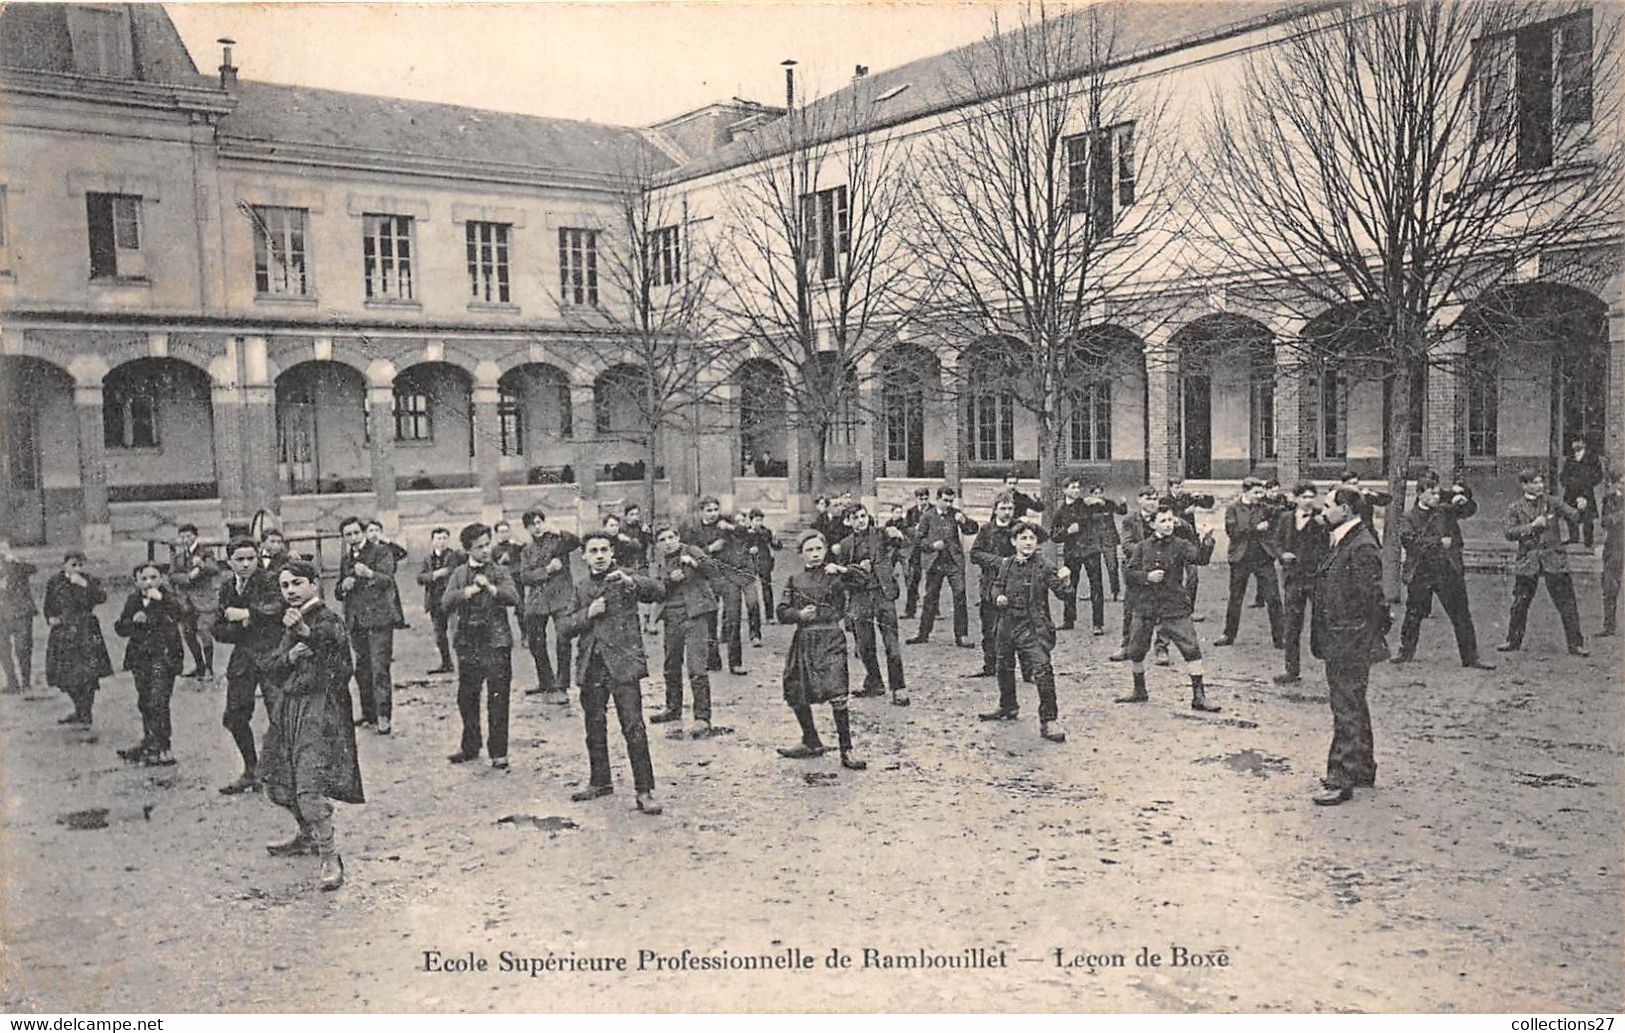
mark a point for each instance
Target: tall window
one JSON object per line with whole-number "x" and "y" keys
{"x": 487, "y": 246}
{"x": 1533, "y": 82}
{"x": 827, "y": 226}
{"x": 1089, "y": 423}
{"x": 1262, "y": 389}
{"x": 279, "y": 250}
{"x": 130, "y": 413}
{"x": 1326, "y": 397}
{"x": 1100, "y": 174}
{"x": 904, "y": 404}
{"x": 990, "y": 419}
{"x": 100, "y": 37}
{"x": 665, "y": 256}
{"x": 413, "y": 420}
{"x": 386, "y": 256}
{"x": 1483, "y": 400}
{"x": 511, "y": 418}
{"x": 115, "y": 236}
{"x": 578, "y": 266}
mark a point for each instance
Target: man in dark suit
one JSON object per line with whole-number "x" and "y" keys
{"x": 478, "y": 595}
{"x": 436, "y": 568}
{"x": 991, "y": 546}
{"x": 709, "y": 535}
{"x": 371, "y": 610}
{"x": 1085, "y": 527}
{"x": 1431, "y": 536}
{"x": 1531, "y": 522}
{"x": 1581, "y": 474}
{"x": 609, "y": 646}
{"x": 914, "y": 568}
{"x": 249, "y": 619}
{"x": 937, "y": 536}
{"x": 549, "y": 591}
{"x": 1250, "y": 523}
{"x": 1347, "y": 632}
{"x": 1302, "y": 539}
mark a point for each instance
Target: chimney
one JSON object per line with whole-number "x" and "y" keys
{"x": 228, "y": 71}
{"x": 789, "y": 83}
{"x": 859, "y": 71}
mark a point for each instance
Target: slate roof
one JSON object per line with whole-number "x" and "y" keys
{"x": 35, "y": 37}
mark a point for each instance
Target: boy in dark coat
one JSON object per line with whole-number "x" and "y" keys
{"x": 989, "y": 548}
{"x": 1155, "y": 572}
{"x": 249, "y": 620}
{"x": 914, "y": 568}
{"x": 686, "y": 575}
{"x": 1581, "y": 474}
{"x": 1431, "y": 536}
{"x": 1613, "y": 550}
{"x": 1085, "y": 527}
{"x": 1250, "y": 525}
{"x": 1021, "y": 588}
{"x": 709, "y": 534}
{"x": 815, "y": 601}
{"x": 549, "y": 591}
{"x": 873, "y": 604}
{"x": 938, "y": 537}
{"x": 477, "y": 597}
{"x": 16, "y": 622}
{"x": 1302, "y": 538}
{"x": 609, "y": 646}
{"x": 194, "y": 573}
{"x": 372, "y": 610}
{"x": 151, "y": 621}
{"x": 436, "y": 568}
{"x": 310, "y": 755}
{"x": 760, "y": 544}
{"x": 76, "y": 657}
{"x": 1531, "y": 521}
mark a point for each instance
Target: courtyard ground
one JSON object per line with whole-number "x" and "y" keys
{"x": 1482, "y": 874}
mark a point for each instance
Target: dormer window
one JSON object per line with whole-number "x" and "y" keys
{"x": 889, "y": 94}
{"x": 101, "y": 41}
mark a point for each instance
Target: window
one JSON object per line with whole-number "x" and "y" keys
{"x": 115, "y": 236}
{"x": 578, "y": 267}
{"x": 1417, "y": 421}
{"x": 1483, "y": 397}
{"x": 990, "y": 419}
{"x": 1535, "y": 80}
{"x": 827, "y": 226}
{"x": 665, "y": 256}
{"x": 511, "y": 417}
{"x": 130, "y": 414}
{"x": 1089, "y": 423}
{"x": 1262, "y": 389}
{"x": 1326, "y": 396}
{"x": 386, "y": 256}
{"x": 279, "y": 251}
{"x": 100, "y": 37}
{"x": 488, "y": 262}
{"x": 905, "y": 419}
{"x": 412, "y": 416}
{"x": 1100, "y": 174}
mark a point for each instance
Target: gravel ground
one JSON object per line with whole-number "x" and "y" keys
{"x": 1482, "y": 874}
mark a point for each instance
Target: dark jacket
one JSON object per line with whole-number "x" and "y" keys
{"x": 1580, "y": 478}
{"x": 16, "y": 597}
{"x": 615, "y": 636}
{"x": 195, "y": 574}
{"x": 832, "y": 525}
{"x": 702, "y": 535}
{"x": 1026, "y": 588}
{"x": 815, "y": 667}
{"x": 766, "y": 543}
{"x": 481, "y": 620}
{"x": 877, "y": 584}
{"x": 1538, "y": 548}
{"x": 1307, "y": 549}
{"x": 546, "y": 591}
{"x": 1024, "y": 503}
{"x": 253, "y": 640}
{"x": 937, "y": 526}
{"x": 1167, "y": 599}
{"x": 690, "y": 595}
{"x": 1251, "y": 528}
{"x": 990, "y": 547}
{"x": 155, "y": 643}
{"x": 737, "y": 564}
{"x": 631, "y": 550}
{"x": 1351, "y": 612}
{"x": 370, "y": 602}
{"x": 308, "y": 699}
{"x": 1422, "y": 533}
{"x": 1096, "y": 522}
{"x": 434, "y": 589}
{"x": 75, "y": 652}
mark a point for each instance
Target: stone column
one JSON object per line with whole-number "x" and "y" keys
{"x": 1614, "y": 433}
{"x": 226, "y": 400}
{"x": 584, "y": 454}
{"x": 1164, "y": 458}
{"x": 381, "y": 447}
{"x": 871, "y": 439}
{"x": 954, "y": 444}
{"x": 488, "y": 441}
{"x": 1288, "y": 414}
{"x": 259, "y": 452}
{"x": 96, "y": 534}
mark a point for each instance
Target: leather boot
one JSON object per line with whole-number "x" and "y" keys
{"x": 1139, "y": 694}
{"x": 300, "y": 845}
{"x": 332, "y": 872}
{"x": 1199, "y": 697}
{"x": 843, "y": 734}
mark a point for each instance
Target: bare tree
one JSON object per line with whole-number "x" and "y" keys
{"x": 1045, "y": 204}
{"x": 816, "y": 267}
{"x": 645, "y": 306}
{"x": 1381, "y": 160}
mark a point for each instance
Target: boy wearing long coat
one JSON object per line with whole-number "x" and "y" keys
{"x": 1026, "y": 633}
{"x": 151, "y": 620}
{"x": 549, "y": 592}
{"x": 686, "y": 576}
{"x": 76, "y": 657}
{"x": 873, "y": 604}
{"x": 476, "y": 597}
{"x": 815, "y": 601}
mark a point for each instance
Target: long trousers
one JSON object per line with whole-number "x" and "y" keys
{"x": 766, "y": 581}
{"x": 954, "y": 574}
{"x": 988, "y": 615}
{"x": 1022, "y": 644}
{"x": 1451, "y": 589}
{"x": 536, "y": 638}
{"x": 1351, "y": 761}
{"x": 153, "y": 688}
{"x": 686, "y": 644}
{"x": 1561, "y": 589}
{"x": 491, "y": 669}
{"x": 597, "y": 689}
{"x": 1613, "y": 565}
{"x": 1239, "y": 573}
{"x": 732, "y": 599}
{"x": 199, "y": 641}
{"x": 440, "y": 618}
{"x": 17, "y": 653}
{"x": 239, "y": 715}
{"x": 912, "y": 572}
{"x": 884, "y": 618}
{"x": 374, "y": 650}
{"x": 1090, "y": 562}
{"x": 1293, "y": 610}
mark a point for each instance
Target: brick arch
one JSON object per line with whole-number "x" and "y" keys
{"x": 285, "y": 352}
{"x": 546, "y": 353}
{"x": 26, "y": 348}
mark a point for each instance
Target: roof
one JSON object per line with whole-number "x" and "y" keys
{"x": 272, "y": 113}
{"x": 936, "y": 83}
{"x": 36, "y": 37}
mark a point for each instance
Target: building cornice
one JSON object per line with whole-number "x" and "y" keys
{"x": 199, "y": 100}
{"x": 68, "y": 318}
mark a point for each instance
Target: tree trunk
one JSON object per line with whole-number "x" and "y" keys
{"x": 650, "y": 457}
{"x": 1399, "y": 455}
{"x": 1047, "y": 457}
